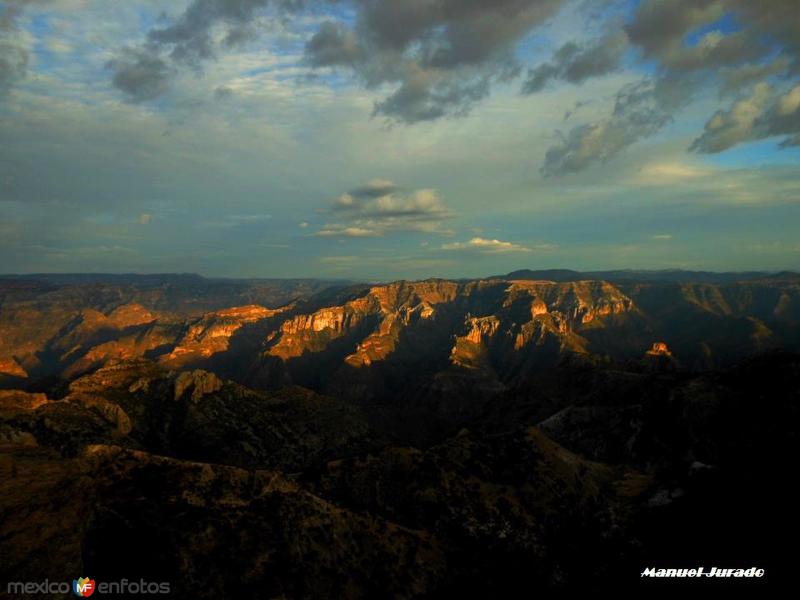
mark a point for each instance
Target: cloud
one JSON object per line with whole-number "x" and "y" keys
{"x": 335, "y": 260}
{"x": 346, "y": 202}
{"x": 487, "y": 246}
{"x": 662, "y": 237}
{"x": 783, "y": 118}
{"x": 670, "y": 173}
{"x": 690, "y": 49}
{"x": 248, "y": 218}
{"x": 190, "y": 38}
{"x": 238, "y": 220}
{"x": 13, "y": 64}
{"x": 433, "y": 59}
{"x": 373, "y": 189}
{"x": 14, "y": 55}
{"x": 639, "y": 112}
{"x": 141, "y": 73}
{"x": 728, "y": 128}
{"x": 145, "y": 73}
{"x": 739, "y": 78}
{"x": 764, "y": 113}
{"x": 426, "y": 95}
{"x": 442, "y": 57}
{"x": 450, "y": 33}
{"x": 222, "y": 92}
{"x": 575, "y": 62}
{"x": 378, "y": 207}
{"x": 660, "y": 28}
{"x": 334, "y": 45}
{"x": 338, "y": 230}
{"x": 424, "y": 204}
{"x": 775, "y": 20}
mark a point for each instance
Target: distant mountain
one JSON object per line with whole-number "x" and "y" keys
{"x": 668, "y": 275}
{"x": 109, "y": 278}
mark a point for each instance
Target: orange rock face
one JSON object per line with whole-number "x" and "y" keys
{"x": 212, "y": 333}
{"x": 659, "y": 349}
{"x": 503, "y": 316}
{"x": 13, "y": 400}
{"x": 130, "y": 315}
{"x": 9, "y": 366}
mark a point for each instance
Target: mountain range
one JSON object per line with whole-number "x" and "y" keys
{"x": 306, "y": 438}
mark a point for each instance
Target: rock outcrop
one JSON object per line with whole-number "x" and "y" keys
{"x": 659, "y": 349}
{"x": 198, "y": 384}
{"x": 212, "y": 334}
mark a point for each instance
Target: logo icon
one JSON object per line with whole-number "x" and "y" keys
{"x": 83, "y": 587}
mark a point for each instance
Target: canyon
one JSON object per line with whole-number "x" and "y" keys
{"x": 407, "y": 439}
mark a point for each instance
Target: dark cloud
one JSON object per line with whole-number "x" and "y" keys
{"x": 791, "y": 142}
{"x": 764, "y": 43}
{"x": 764, "y": 113}
{"x": 357, "y": 199}
{"x": 374, "y": 189}
{"x": 580, "y": 104}
{"x": 576, "y": 63}
{"x": 728, "y": 128}
{"x": 222, "y": 92}
{"x": 427, "y": 95}
{"x": 737, "y": 78}
{"x": 14, "y": 56}
{"x": 449, "y": 33}
{"x": 661, "y": 27}
{"x": 190, "y": 36}
{"x": 449, "y": 53}
{"x": 141, "y": 73}
{"x": 13, "y": 64}
{"x": 334, "y": 45}
{"x": 783, "y": 116}
{"x": 438, "y": 58}
{"x": 639, "y": 112}
{"x": 145, "y": 73}
{"x": 443, "y": 56}
{"x": 773, "y": 20}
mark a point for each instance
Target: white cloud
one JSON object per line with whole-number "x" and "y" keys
{"x": 238, "y": 220}
{"x": 378, "y": 208}
{"x": 487, "y": 246}
{"x": 345, "y": 202}
{"x": 670, "y": 173}
{"x": 339, "y": 230}
{"x": 336, "y": 260}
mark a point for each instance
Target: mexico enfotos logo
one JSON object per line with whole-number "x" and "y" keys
{"x": 83, "y": 587}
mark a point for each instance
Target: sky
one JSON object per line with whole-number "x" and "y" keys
{"x": 383, "y": 140}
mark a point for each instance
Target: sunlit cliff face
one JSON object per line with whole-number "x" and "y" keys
{"x": 494, "y": 326}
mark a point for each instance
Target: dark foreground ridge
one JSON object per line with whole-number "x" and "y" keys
{"x": 306, "y": 439}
